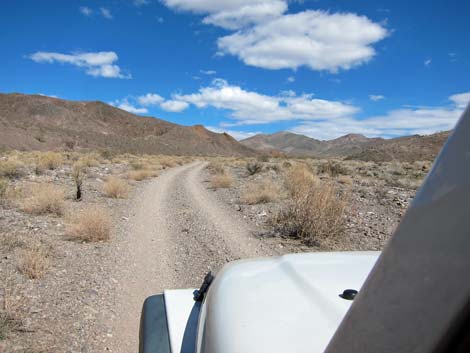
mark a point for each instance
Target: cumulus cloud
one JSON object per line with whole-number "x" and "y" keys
{"x": 265, "y": 36}
{"x": 233, "y": 14}
{"x": 315, "y": 39}
{"x": 461, "y": 99}
{"x": 174, "y": 105}
{"x": 376, "y": 97}
{"x": 100, "y": 64}
{"x": 150, "y": 99}
{"x": 106, "y": 13}
{"x": 86, "y": 11}
{"x": 249, "y": 107}
{"x": 398, "y": 122}
{"x": 124, "y": 104}
{"x": 236, "y": 134}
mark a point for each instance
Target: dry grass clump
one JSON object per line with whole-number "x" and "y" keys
{"x": 10, "y": 312}
{"x": 50, "y": 160}
{"x": 221, "y": 181}
{"x": 89, "y": 160}
{"x": 263, "y": 192}
{"x": 315, "y": 210}
{"x": 45, "y": 199}
{"x": 139, "y": 175}
{"x": 91, "y": 224}
{"x": 116, "y": 188}
{"x": 168, "y": 162}
{"x": 11, "y": 168}
{"x": 216, "y": 167}
{"x": 33, "y": 261}
{"x": 345, "y": 179}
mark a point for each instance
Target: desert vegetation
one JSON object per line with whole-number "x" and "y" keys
{"x": 331, "y": 204}
{"x": 56, "y": 208}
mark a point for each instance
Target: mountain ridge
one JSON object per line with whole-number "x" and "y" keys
{"x": 36, "y": 122}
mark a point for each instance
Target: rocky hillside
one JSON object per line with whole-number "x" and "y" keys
{"x": 34, "y": 122}
{"x": 351, "y": 146}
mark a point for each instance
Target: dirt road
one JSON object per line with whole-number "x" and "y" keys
{"x": 175, "y": 233}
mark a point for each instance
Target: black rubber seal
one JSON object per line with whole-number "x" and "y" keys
{"x": 153, "y": 335}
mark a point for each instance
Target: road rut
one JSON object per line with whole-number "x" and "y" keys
{"x": 176, "y": 232}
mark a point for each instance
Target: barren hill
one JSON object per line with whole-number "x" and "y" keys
{"x": 351, "y": 146}
{"x": 35, "y": 122}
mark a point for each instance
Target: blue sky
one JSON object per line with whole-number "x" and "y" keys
{"x": 321, "y": 68}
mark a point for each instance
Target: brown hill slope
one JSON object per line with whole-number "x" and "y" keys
{"x": 352, "y": 146}
{"x": 34, "y": 122}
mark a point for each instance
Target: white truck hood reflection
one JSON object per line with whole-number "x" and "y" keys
{"x": 282, "y": 304}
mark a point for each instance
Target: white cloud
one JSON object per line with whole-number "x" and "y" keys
{"x": 248, "y": 107}
{"x": 291, "y": 79}
{"x": 315, "y": 39}
{"x": 236, "y": 134}
{"x": 106, "y": 13}
{"x": 95, "y": 63}
{"x": 376, "y": 97}
{"x": 208, "y": 72}
{"x": 398, "y": 122}
{"x": 140, "y": 3}
{"x": 266, "y": 37}
{"x": 125, "y": 105}
{"x": 150, "y": 99}
{"x": 174, "y": 105}
{"x": 461, "y": 99}
{"x": 427, "y": 62}
{"x": 231, "y": 14}
{"x": 86, "y": 11}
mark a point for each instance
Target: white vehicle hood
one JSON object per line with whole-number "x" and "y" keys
{"x": 282, "y": 304}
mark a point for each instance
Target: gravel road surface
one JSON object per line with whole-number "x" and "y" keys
{"x": 176, "y": 231}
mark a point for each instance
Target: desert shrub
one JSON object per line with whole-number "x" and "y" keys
{"x": 168, "y": 162}
{"x": 345, "y": 179}
{"x": 260, "y": 193}
{"x": 221, "y": 181}
{"x": 137, "y": 165}
{"x": 78, "y": 175}
{"x": 314, "y": 211}
{"x": 216, "y": 167}
{"x": 50, "y": 160}
{"x": 44, "y": 199}
{"x": 89, "y": 160}
{"x": 139, "y": 175}
{"x": 33, "y": 261}
{"x": 332, "y": 168}
{"x": 91, "y": 224}
{"x": 3, "y": 188}
{"x": 253, "y": 167}
{"x": 116, "y": 188}
{"x": 11, "y": 169}
{"x": 263, "y": 158}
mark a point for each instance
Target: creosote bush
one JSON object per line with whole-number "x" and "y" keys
{"x": 314, "y": 211}
{"x": 116, "y": 188}
{"x": 91, "y": 224}
{"x": 78, "y": 175}
{"x": 253, "y": 167}
{"x": 44, "y": 199}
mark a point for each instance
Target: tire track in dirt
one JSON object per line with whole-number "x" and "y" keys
{"x": 176, "y": 232}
